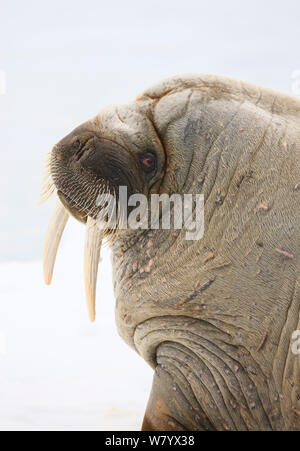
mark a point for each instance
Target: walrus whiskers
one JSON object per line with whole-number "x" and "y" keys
{"x": 48, "y": 186}
{"x": 54, "y": 233}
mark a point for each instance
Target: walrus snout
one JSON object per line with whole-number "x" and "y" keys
{"x": 85, "y": 165}
{"x": 72, "y": 208}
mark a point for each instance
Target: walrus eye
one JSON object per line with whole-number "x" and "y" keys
{"x": 148, "y": 161}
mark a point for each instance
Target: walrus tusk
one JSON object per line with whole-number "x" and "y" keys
{"x": 54, "y": 233}
{"x": 93, "y": 241}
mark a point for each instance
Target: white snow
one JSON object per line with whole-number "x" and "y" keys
{"x": 58, "y": 371}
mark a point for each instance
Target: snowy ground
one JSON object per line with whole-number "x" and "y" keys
{"x": 57, "y": 370}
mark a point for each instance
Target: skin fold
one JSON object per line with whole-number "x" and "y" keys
{"x": 214, "y": 318}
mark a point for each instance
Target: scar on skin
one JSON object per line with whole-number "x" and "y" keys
{"x": 210, "y": 256}
{"x": 297, "y": 187}
{"x": 263, "y": 206}
{"x": 198, "y": 290}
{"x": 296, "y": 411}
{"x": 125, "y": 315}
{"x": 262, "y": 342}
{"x": 219, "y": 199}
{"x": 150, "y": 264}
{"x": 222, "y": 265}
{"x": 285, "y": 253}
{"x": 197, "y": 308}
{"x": 235, "y": 237}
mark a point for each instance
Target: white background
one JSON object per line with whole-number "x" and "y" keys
{"x": 64, "y": 61}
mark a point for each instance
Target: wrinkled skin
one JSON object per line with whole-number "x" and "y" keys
{"x": 215, "y": 317}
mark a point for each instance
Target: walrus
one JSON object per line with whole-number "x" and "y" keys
{"x": 213, "y": 317}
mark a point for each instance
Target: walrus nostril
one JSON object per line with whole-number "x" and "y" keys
{"x": 70, "y": 150}
{"x": 80, "y": 147}
{"x": 79, "y": 152}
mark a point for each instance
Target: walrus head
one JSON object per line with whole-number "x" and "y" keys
{"x": 207, "y": 307}
{"x": 89, "y": 162}
{"x": 119, "y": 147}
